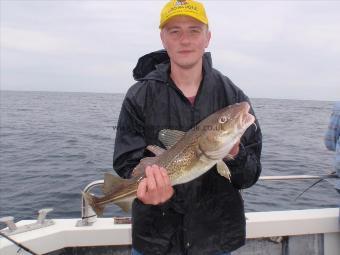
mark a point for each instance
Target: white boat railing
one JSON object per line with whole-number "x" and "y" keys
{"x": 88, "y": 216}
{"x": 104, "y": 232}
{"x": 91, "y": 230}
{"x": 298, "y": 177}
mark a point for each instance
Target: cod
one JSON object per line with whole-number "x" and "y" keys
{"x": 188, "y": 155}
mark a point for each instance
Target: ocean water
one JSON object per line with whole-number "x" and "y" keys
{"x": 53, "y": 144}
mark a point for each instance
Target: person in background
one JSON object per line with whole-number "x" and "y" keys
{"x": 332, "y": 139}
{"x": 177, "y": 88}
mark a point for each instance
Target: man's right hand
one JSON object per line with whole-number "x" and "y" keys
{"x": 156, "y": 187}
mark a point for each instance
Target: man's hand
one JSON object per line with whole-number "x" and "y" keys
{"x": 156, "y": 187}
{"x": 233, "y": 152}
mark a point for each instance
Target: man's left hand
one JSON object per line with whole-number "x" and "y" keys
{"x": 234, "y": 151}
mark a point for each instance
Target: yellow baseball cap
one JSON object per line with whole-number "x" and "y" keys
{"x": 190, "y": 8}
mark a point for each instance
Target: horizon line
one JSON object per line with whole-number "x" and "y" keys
{"x": 123, "y": 93}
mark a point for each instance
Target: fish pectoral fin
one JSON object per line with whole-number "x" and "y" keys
{"x": 169, "y": 137}
{"x": 125, "y": 205}
{"x": 223, "y": 169}
{"x": 140, "y": 168}
{"x": 110, "y": 181}
{"x": 155, "y": 149}
{"x": 148, "y": 161}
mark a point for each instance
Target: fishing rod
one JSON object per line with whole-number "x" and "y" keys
{"x": 319, "y": 179}
{"x": 18, "y": 244}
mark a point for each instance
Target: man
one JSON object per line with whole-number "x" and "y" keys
{"x": 176, "y": 89}
{"x": 332, "y": 140}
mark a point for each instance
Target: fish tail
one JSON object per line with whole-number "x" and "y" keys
{"x": 91, "y": 200}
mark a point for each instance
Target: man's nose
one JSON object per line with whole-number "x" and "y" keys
{"x": 185, "y": 38}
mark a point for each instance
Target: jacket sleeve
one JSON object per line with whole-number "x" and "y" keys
{"x": 129, "y": 142}
{"x": 333, "y": 131}
{"x": 246, "y": 167}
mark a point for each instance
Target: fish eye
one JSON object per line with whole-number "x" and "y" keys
{"x": 223, "y": 119}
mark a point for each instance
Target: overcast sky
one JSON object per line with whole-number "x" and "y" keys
{"x": 270, "y": 49}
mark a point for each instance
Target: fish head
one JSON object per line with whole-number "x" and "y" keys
{"x": 223, "y": 129}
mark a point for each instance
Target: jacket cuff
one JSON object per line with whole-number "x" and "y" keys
{"x": 172, "y": 204}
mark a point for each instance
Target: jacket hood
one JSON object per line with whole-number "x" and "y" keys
{"x": 159, "y": 60}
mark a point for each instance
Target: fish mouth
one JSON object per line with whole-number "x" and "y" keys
{"x": 246, "y": 119}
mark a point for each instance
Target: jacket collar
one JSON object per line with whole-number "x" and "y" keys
{"x": 155, "y": 66}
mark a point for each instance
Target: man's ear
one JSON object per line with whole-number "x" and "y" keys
{"x": 162, "y": 38}
{"x": 208, "y": 39}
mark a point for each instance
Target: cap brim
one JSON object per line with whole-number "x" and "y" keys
{"x": 204, "y": 21}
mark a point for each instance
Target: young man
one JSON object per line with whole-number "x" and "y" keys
{"x": 176, "y": 89}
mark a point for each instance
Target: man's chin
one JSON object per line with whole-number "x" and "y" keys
{"x": 187, "y": 64}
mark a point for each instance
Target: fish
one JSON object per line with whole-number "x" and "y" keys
{"x": 187, "y": 156}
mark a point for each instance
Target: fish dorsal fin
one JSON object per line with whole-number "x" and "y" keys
{"x": 169, "y": 137}
{"x": 139, "y": 170}
{"x": 155, "y": 149}
{"x": 223, "y": 169}
{"x": 110, "y": 181}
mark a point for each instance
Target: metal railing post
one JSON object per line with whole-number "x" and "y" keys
{"x": 88, "y": 216}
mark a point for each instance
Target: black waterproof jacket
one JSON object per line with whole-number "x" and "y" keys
{"x": 206, "y": 215}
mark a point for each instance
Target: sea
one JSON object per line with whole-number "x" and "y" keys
{"x": 52, "y": 144}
